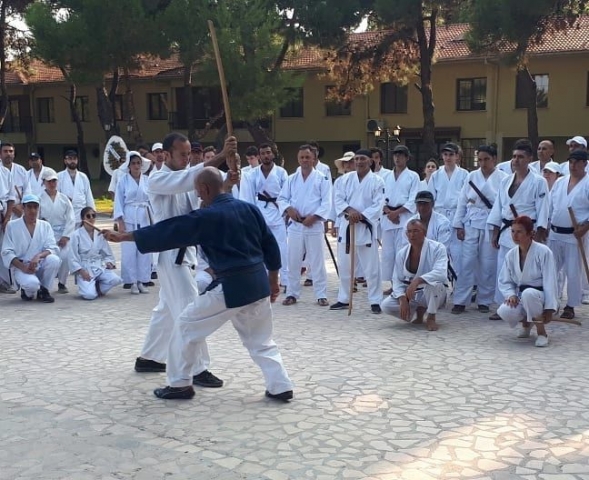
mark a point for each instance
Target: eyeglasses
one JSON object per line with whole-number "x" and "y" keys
{"x": 90, "y": 215}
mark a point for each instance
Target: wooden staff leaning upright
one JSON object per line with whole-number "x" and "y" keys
{"x": 231, "y": 160}
{"x": 352, "y": 227}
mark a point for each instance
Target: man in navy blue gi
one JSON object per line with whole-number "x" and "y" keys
{"x": 245, "y": 257}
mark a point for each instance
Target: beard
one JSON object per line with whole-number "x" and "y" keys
{"x": 71, "y": 166}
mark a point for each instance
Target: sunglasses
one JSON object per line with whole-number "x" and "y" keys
{"x": 90, "y": 215}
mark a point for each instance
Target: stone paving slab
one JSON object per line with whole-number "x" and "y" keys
{"x": 375, "y": 398}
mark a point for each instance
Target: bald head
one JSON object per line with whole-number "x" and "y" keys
{"x": 209, "y": 184}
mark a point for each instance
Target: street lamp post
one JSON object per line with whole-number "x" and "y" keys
{"x": 388, "y": 137}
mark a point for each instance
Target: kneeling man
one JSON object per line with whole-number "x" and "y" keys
{"x": 418, "y": 278}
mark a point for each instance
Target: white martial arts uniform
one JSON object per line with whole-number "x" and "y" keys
{"x": 479, "y": 257}
{"x": 18, "y": 174}
{"x": 19, "y": 244}
{"x": 433, "y": 265}
{"x": 445, "y": 190}
{"x": 169, "y": 197}
{"x": 439, "y": 228}
{"x": 256, "y": 184}
{"x": 77, "y": 190}
{"x": 34, "y": 182}
{"x": 6, "y": 195}
{"x": 115, "y": 178}
{"x": 60, "y": 215}
{"x": 399, "y": 192}
{"x": 132, "y": 205}
{"x": 92, "y": 254}
{"x": 366, "y": 197}
{"x": 324, "y": 169}
{"x": 537, "y": 168}
{"x": 202, "y": 277}
{"x": 505, "y": 167}
{"x": 530, "y": 199}
{"x": 539, "y": 271}
{"x": 562, "y": 242}
{"x": 310, "y": 196}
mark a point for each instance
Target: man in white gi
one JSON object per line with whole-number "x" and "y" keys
{"x": 306, "y": 200}
{"x": 570, "y": 191}
{"x": 545, "y": 153}
{"x": 261, "y": 187}
{"x": 168, "y": 190}
{"x": 418, "y": 278}
{"x": 7, "y": 195}
{"x": 522, "y": 193}
{"x": 319, "y": 165}
{"x": 377, "y": 167}
{"x": 400, "y": 187}
{"x": 438, "y": 227}
{"x": 359, "y": 202}
{"x": 75, "y": 185}
{"x": 479, "y": 257}
{"x": 34, "y": 178}
{"x": 158, "y": 152}
{"x": 18, "y": 174}
{"x": 445, "y": 184}
{"x": 56, "y": 209}
{"x": 344, "y": 165}
{"x": 576, "y": 143}
{"x": 30, "y": 251}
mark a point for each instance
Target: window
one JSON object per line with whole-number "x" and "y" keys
{"x": 157, "y": 106}
{"x": 469, "y": 150}
{"x": 541, "y": 91}
{"x": 45, "y": 112}
{"x": 82, "y": 107}
{"x": 333, "y": 108}
{"x": 294, "y": 107}
{"x": 471, "y": 94}
{"x": 119, "y": 107}
{"x": 393, "y": 98}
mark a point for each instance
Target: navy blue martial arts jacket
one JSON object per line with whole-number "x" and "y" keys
{"x": 235, "y": 238}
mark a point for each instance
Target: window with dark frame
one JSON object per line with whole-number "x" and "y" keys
{"x": 469, "y": 152}
{"x": 542, "y": 83}
{"x": 294, "y": 108}
{"x": 45, "y": 111}
{"x": 471, "y": 94}
{"x": 333, "y": 108}
{"x": 156, "y": 106}
{"x": 82, "y": 106}
{"x": 393, "y": 98}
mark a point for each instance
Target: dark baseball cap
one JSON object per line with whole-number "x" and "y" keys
{"x": 401, "y": 149}
{"x": 195, "y": 147}
{"x": 34, "y": 156}
{"x": 70, "y": 153}
{"x": 578, "y": 155}
{"x": 451, "y": 147}
{"x": 425, "y": 196}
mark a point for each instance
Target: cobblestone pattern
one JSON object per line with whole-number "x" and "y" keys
{"x": 375, "y": 398}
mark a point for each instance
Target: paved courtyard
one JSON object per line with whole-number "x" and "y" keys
{"x": 375, "y": 398}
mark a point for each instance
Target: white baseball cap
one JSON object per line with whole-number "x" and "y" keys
{"x": 157, "y": 146}
{"x": 578, "y": 140}
{"x": 552, "y": 167}
{"x": 48, "y": 174}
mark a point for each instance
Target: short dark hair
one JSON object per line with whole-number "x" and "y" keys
{"x": 374, "y": 150}
{"x": 168, "y": 143}
{"x": 490, "y": 149}
{"x": 252, "y": 151}
{"x": 524, "y": 145}
{"x": 271, "y": 146}
{"x": 210, "y": 148}
{"x": 6, "y": 144}
{"x": 306, "y": 146}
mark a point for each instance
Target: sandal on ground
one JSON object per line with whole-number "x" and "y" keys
{"x": 290, "y": 300}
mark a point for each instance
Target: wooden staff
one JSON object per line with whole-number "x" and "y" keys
{"x": 352, "y": 227}
{"x": 231, "y": 160}
{"x": 579, "y": 243}
{"x": 86, "y": 222}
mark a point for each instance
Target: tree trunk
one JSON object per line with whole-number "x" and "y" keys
{"x": 3, "y": 91}
{"x": 105, "y": 113}
{"x": 130, "y": 106}
{"x": 529, "y": 92}
{"x": 426, "y": 52}
{"x": 83, "y": 165}
{"x": 189, "y": 103}
{"x": 112, "y": 100}
{"x": 259, "y": 135}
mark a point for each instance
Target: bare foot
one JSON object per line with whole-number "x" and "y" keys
{"x": 420, "y": 313}
{"x": 431, "y": 325}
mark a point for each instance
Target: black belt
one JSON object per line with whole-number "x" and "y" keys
{"x": 565, "y": 230}
{"x": 365, "y": 222}
{"x": 523, "y": 288}
{"x": 180, "y": 256}
{"x": 267, "y": 199}
{"x": 214, "y": 284}
{"x": 396, "y": 207}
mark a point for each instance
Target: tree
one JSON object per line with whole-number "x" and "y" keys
{"x": 404, "y": 46}
{"x": 11, "y": 41}
{"x": 509, "y": 29}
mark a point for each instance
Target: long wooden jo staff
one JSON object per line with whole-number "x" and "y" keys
{"x": 232, "y": 160}
{"x": 579, "y": 243}
{"x": 352, "y": 227}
